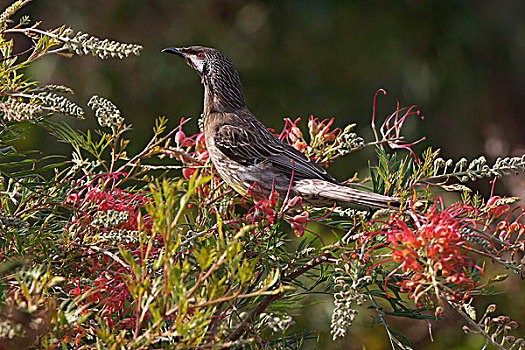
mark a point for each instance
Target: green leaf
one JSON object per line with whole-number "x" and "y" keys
{"x": 204, "y": 257}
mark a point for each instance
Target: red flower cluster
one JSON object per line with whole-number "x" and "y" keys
{"x": 265, "y": 209}
{"x": 319, "y": 131}
{"x": 429, "y": 250}
{"x": 510, "y": 230}
{"x": 391, "y": 127}
{"x": 101, "y": 195}
{"x": 103, "y": 210}
{"x": 292, "y": 134}
{"x": 193, "y": 146}
{"x": 110, "y": 295}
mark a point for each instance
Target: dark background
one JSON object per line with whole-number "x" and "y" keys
{"x": 462, "y": 62}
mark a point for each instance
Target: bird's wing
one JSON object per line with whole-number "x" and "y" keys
{"x": 251, "y": 147}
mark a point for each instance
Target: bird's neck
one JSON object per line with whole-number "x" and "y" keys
{"x": 223, "y": 94}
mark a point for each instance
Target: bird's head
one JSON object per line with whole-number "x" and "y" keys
{"x": 204, "y": 60}
{"x": 217, "y": 73}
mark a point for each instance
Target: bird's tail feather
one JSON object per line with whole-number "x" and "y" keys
{"x": 320, "y": 191}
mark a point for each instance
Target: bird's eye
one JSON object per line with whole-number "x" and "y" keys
{"x": 200, "y": 55}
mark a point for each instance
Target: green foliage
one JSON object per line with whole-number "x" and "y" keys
{"x": 111, "y": 250}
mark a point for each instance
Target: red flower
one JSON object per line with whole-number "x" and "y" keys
{"x": 495, "y": 209}
{"x": 430, "y": 251}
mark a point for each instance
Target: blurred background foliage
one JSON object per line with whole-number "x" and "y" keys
{"x": 462, "y": 62}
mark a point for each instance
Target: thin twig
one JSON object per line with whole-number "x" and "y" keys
{"x": 475, "y": 326}
{"x": 132, "y": 162}
{"x": 271, "y": 298}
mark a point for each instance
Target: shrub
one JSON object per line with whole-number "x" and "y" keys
{"x": 105, "y": 249}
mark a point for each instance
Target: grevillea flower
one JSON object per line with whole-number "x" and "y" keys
{"x": 428, "y": 249}
{"x": 496, "y": 209}
{"x": 510, "y": 229}
{"x": 391, "y": 127}
{"x": 292, "y": 134}
{"x": 298, "y": 223}
{"x": 100, "y": 202}
{"x": 320, "y": 136}
{"x": 103, "y": 211}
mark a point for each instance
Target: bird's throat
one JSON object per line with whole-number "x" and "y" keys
{"x": 223, "y": 98}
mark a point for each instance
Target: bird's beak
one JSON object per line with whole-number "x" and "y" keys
{"x": 174, "y": 50}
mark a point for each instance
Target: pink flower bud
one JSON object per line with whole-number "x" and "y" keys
{"x": 72, "y": 198}
{"x": 492, "y": 200}
{"x": 295, "y": 200}
{"x": 179, "y": 137}
{"x": 187, "y": 173}
{"x": 200, "y": 141}
{"x": 298, "y": 229}
{"x": 301, "y": 219}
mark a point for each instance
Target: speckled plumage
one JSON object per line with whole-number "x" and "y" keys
{"x": 244, "y": 152}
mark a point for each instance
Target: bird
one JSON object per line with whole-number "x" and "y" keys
{"x": 249, "y": 157}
